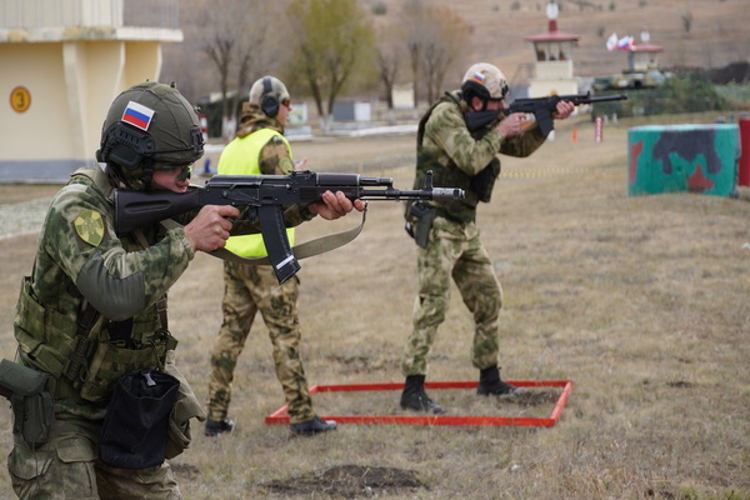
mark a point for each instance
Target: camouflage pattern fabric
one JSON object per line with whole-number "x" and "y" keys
{"x": 67, "y": 467}
{"x": 249, "y": 289}
{"x": 454, "y": 250}
{"x": 118, "y": 274}
{"x": 455, "y": 156}
{"x": 78, "y": 244}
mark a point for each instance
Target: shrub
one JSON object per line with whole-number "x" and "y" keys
{"x": 379, "y": 9}
{"x": 685, "y": 92}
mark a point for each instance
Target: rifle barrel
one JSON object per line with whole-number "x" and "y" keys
{"x": 605, "y": 98}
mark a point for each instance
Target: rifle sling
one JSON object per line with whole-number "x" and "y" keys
{"x": 302, "y": 251}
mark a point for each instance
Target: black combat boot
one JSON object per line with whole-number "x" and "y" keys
{"x": 314, "y": 426}
{"x": 414, "y": 397}
{"x": 216, "y": 427}
{"x": 490, "y": 383}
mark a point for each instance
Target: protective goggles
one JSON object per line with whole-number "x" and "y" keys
{"x": 185, "y": 170}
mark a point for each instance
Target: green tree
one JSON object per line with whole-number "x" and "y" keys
{"x": 332, "y": 43}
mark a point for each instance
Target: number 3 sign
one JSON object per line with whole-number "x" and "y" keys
{"x": 20, "y": 99}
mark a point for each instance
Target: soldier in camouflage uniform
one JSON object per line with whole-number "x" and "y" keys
{"x": 93, "y": 312}
{"x": 260, "y": 148}
{"x": 450, "y": 246}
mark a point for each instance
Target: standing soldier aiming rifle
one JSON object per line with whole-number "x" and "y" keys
{"x": 260, "y": 149}
{"x": 110, "y": 405}
{"x": 445, "y": 230}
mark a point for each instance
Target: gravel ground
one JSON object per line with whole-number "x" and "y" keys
{"x": 22, "y": 218}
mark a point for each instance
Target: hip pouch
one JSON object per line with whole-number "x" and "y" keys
{"x": 483, "y": 182}
{"x": 134, "y": 432}
{"x": 423, "y": 216}
{"x": 33, "y": 408}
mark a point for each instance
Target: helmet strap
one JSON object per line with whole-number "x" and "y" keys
{"x": 148, "y": 172}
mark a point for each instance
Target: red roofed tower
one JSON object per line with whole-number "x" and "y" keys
{"x": 554, "y": 63}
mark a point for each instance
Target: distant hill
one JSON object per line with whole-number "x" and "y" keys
{"x": 718, "y": 35}
{"x": 719, "y": 31}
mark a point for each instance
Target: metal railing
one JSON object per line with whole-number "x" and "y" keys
{"x": 36, "y": 14}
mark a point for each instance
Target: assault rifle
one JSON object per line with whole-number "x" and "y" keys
{"x": 542, "y": 108}
{"x": 265, "y": 195}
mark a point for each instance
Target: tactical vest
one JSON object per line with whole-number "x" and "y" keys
{"x": 241, "y": 157}
{"x": 447, "y": 174}
{"x": 84, "y": 356}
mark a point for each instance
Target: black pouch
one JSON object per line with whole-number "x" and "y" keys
{"x": 483, "y": 183}
{"x": 33, "y": 407}
{"x": 134, "y": 432}
{"x": 424, "y": 215}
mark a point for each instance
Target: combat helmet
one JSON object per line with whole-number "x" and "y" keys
{"x": 485, "y": 81}
{"x": 269, "y": 93}
{"x": 149, "y": 126}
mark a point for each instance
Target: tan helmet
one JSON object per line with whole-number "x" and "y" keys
{"x": 485, "y": 81}
{"x": 269, "y": 93}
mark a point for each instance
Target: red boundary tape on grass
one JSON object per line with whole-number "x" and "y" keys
{"x": 281, "y": 416}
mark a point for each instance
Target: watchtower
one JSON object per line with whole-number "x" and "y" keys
{"x": 554, "y": 59}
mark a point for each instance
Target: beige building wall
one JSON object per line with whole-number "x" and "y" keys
{"x": 544, "y": 88}
{"x": 72, "y": 74}
{"x": 553, "y": 78}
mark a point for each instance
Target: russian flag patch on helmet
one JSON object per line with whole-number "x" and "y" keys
{"x": 138, "y": 115}
{"x": 479, "y": 77}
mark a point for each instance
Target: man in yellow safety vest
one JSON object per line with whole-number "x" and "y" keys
{"x": 260, "y": 148}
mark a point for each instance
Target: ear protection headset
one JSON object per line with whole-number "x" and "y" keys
{"x": 270, "y": 103}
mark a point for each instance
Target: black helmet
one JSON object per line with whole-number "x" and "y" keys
{"x": 150, "y": 126}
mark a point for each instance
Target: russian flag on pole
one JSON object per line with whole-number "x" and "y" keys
{"x": 138, "y": 115}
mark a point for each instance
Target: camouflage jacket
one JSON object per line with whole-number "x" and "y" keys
{"x": 459, "y": 158}
{"x": 82, "y": 265}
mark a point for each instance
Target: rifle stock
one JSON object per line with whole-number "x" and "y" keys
{"x": 267, "y": 194}
{"x": 542, "y": 108}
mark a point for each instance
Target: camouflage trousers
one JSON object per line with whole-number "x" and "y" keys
{"x": 454, "y": 250}
{"x": 67, "y": 467}
{"x": 249, "y": 289}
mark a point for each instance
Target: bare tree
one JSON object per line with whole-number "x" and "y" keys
{"x": 435, "y": 38}
{"x": 447, "y": 34}
{"x": 390, "y": 52}
{"x": 411, "y": 20}
{"x": 186, "y": 62}
{"x": 255, "y": 47}
{"x": 219, "y": 41}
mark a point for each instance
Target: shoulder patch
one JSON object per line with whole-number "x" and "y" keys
{"x": 90, "y": 227}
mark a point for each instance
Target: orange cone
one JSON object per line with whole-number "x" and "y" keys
{"x": 574, "y": 135}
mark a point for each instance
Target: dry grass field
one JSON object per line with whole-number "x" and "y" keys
{"x": 643, "y": 302}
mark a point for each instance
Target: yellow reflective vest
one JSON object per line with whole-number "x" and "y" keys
{"x": 241, "y": 157}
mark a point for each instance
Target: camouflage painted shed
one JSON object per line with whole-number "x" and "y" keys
{"x": 694, "y": 158}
